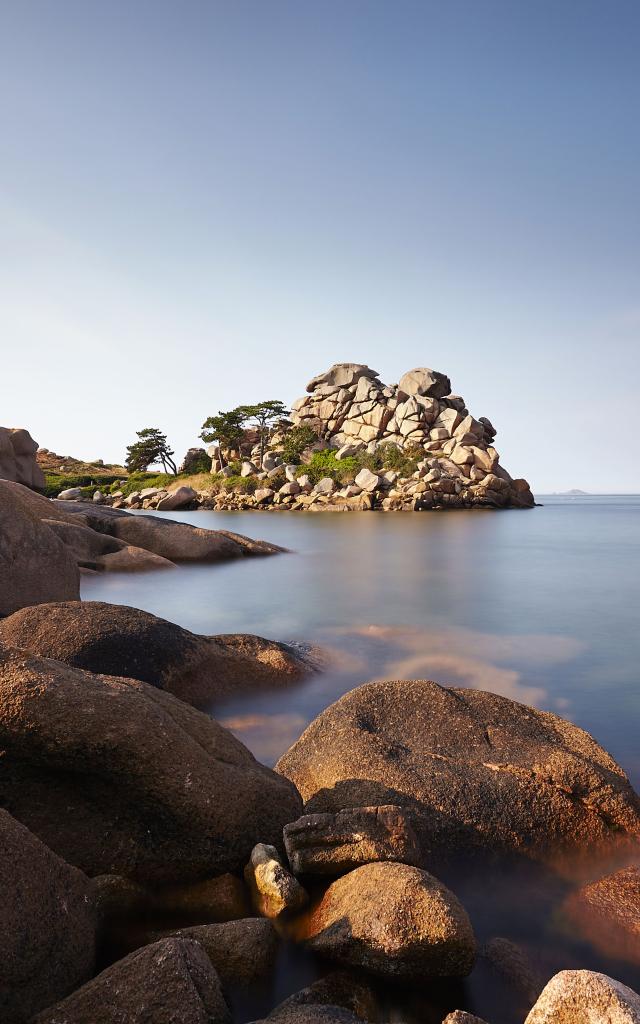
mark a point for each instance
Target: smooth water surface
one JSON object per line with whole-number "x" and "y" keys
{"x": 539, "y": 605}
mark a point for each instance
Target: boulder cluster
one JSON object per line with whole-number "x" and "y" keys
{"x": 152, "y": 868}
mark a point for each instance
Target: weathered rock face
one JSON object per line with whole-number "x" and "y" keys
{"x": 607, "y": 913}
{"x": 47, "y": 924}
{"x": 241, "y": 951}
{"x": 274, "y": 890}
{"x": 332, "y": 844}
{"x": 18, "y": 457}
{"x": 35, "y": 565}
{"x": 120, "y": 641}
{"x": 172, "y": 980}
{"x": 119, "y": 777}
{"x": 573, "y": 997}
{"x": 349, "y": 405}
{"x": 393, "y": 920}
{"x": 479, "y": 771}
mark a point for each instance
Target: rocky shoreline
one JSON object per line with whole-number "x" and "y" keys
{"x": 153, "y": 870}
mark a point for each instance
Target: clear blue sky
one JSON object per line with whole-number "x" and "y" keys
{"x": 207, "y": 203}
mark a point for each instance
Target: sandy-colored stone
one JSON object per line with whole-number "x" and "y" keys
{"x": 481, "y": 772}
{"x": 274, "y": 890}
{"x": 585, "y": 997}
{"x": 391, "y": 919}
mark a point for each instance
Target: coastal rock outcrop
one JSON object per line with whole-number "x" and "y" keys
{"x": 120, "y": 641}
{"x": 480, "y": 772}
{"x": 119, "y": 777}
{"x": 349, "y": 405}
{"x": 47, "y": 924}
{"x": 35, "y": 565}
{"x": 393, "y": 920}
{"x": 172, "y": 980}
{"x": 18, "y": 457}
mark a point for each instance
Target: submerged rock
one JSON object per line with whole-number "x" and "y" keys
{"x": 480, "y": 772}
{"x": 332, "y": 844}
{"x": 121, "y": 641}
{"x": 274, "y": 890}
{"x": 119, "y": 777}
{"x": 170, "y": 981}
{"x": 47, "y": 924}
{"x": 574, "y": 997}
{"x": 607, "y": 913}
{"x": 391, "y": 919}
{"x": 35, "y": 565}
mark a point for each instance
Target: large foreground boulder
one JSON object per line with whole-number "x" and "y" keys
{"x": 391, "y": 919}
{"x": 121, "y": 641}
{"x": 101, "y": 553}
{"x": 35, "y": 565}
{"x": 480, "y": 772}
{"x": 119, "y": 777}
{"x": 578, "y": 997}
{"x": 47, "y": 924}
{"x": 170, "y": 982}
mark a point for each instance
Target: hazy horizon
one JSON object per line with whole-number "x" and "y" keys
{"x": 207, "y": 204}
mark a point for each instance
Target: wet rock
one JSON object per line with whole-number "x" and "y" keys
{"x": 274, "y": 890}
{"x": 391, "y": 919}
{"x": 138, "y": 784}
{"x": 511, "y": 962}
{"x": 170, "y": 981}
{"x": 574, "y": 997}
{"x": 607, "y": 913}
{"x": 121, "y": 641}
{"x": 47, "y": 924}
{"x": 35, "y": 565}
{"x": 482, "y": 773}
{"x": 241, "y": 951}
{"x": 332, "y": 844}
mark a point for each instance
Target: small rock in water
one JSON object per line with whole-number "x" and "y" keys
{"x": 607, "y": 913}
{"x": 332, "y": 844}
{"x": 274, "y": 890}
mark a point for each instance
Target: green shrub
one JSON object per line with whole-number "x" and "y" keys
{"x": 295, "y": 441}
{"x": 56, "y": 482}
{"x": 138, "y": 481}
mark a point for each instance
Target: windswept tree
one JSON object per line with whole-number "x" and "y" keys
{"x": 227, "y": 429}
{"x": 263, "y": 417}
{"x": 150, "y": 449}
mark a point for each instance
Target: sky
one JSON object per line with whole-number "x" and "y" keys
{"x": 204, "y": 204}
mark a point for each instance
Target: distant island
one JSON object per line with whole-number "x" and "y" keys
{"x": 574, "y": 490}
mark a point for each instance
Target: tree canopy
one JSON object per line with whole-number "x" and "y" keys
{"x": 150, "y": 449}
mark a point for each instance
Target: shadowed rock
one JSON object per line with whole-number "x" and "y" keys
{"x": 480, "y": 772}
{"x": 391, "y": 919}
{"x": 119, "y": 777}
{"x": 332, "y": 844}
{"x": 121, "y": 641}
{"x": 172, "y": 980}
{"x": 34, "y": 564}
{"x": 47, "y": 924}
{"x": 338, "y": 998}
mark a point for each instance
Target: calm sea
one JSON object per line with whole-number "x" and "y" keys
{"x": 541, "y": 606}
